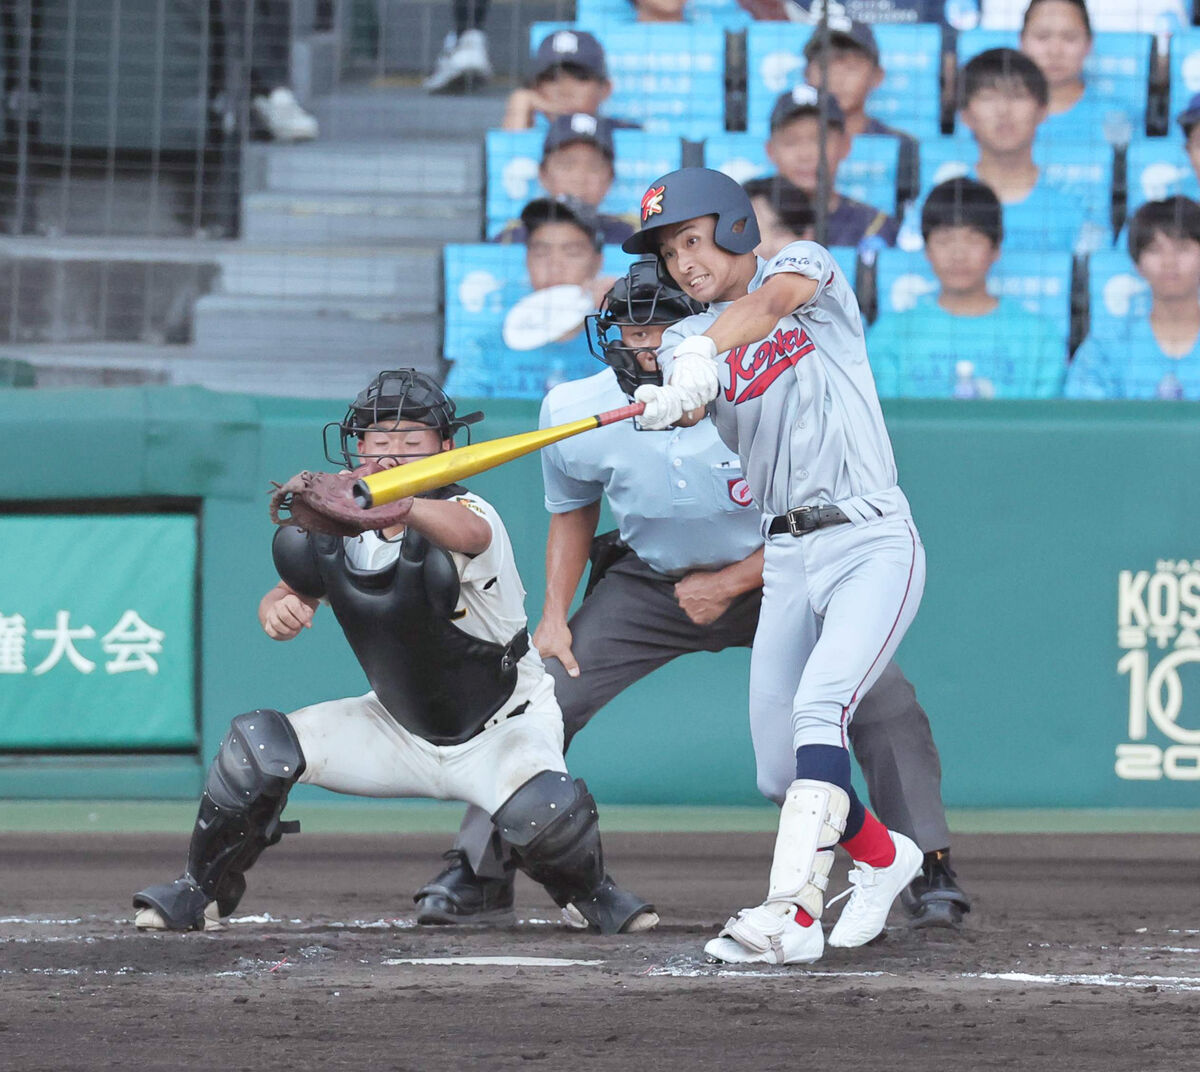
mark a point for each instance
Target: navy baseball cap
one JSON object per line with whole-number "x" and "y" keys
{"x": 805, "y": 100}
{"x": 1190, "y": 116}
{"x": 844, "y": 32}
{"x": 575, "y": 47}
{"x": 563, "y": 209}
{"x": 580, "y": 127}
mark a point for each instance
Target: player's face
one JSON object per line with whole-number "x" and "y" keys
{"x": 560, "y": 253}
{"x": 775, "y": 233}
{"x": 961, "y": 258}
{"x": 579, "y": 169}
{"x": 1057, "y": 41}
{"x": 645, "y": 339}
{"x": 1004, "y": 117}
{"x": 1192, "y": 145}
{"x": 1172, "y": 267}
{"x": 853, "y": 76}
{"x": 565, "y": 93}
{"x": 660, "y": 10}
{"x": 392, "y": 443}
{"x": 699, "y": 266}
{"x": 795, "y": 149}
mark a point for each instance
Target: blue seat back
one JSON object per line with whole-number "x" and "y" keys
{"x": 1039, "y": 281}
{"x": 670, "y": 78}
{"x": 1115, "y": 290}
{"x": 907, "y": 99}
{"x": 867, "y": 174}
{"x": 599, "y": 14}
{"x": 1157, "y": 168}
{"x": 512, "y": 171}
{"x": 1185, "y": 72}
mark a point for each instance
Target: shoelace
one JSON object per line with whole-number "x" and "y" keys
{"x": 863, "y": 875}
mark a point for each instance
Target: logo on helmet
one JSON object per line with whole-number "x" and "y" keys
{"x": 652, "y": 202}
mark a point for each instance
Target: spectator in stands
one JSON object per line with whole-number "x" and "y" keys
{"x": 784, "y": 213}
{"x": 1156, "y": 356}
{"x": 274, "y": 107}
{"x": 923, "y": 352}
{"x": 1189, "y": 123}
{"x": 852, "y": 54}
{"x": 794, "y": 148}
{"x": 1003, "y": 97}
{"x": 563, "y": 244}
{"x": 659, "y": 10}
{"x": 1057, "y": 36}
{"x": 569, "y": 74}
{"x": 577, "y": 161}
{"x": 463, "y": 62}
{"x": 1145, "y": 16}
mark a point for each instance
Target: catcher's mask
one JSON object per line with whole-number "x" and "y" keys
{"x": 399, "y": 395}
{"x": 640, "y": 298}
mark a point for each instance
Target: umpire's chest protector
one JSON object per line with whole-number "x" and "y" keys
{"x": 435, "y": 680}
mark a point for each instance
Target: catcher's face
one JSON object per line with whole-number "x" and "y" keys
{"x": 398, "y": 442}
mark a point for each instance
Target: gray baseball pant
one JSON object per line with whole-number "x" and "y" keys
{"x": 631, "y": 624}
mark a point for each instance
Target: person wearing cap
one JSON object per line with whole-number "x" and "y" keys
{"x": 577, "y": 161}
{"x": 922, "y": 352}
{"x": 563, "y": 244}
{"x": 784, "y": 212}
{"x": 568, "y": 74}
{"x": 794, "y": 147}
{"x": 852, "y": 53}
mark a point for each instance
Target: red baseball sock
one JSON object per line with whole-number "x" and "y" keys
{"x": 803, "y": 918}
{"x": 872, "y": 844}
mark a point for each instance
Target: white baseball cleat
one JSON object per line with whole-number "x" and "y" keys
{"x": 283, "y": 117}
{"x": 463, "y": 62}
{"x": 872, "y": 891}
{"x": 768, "y": 934}
{"x": 150, "y": 919}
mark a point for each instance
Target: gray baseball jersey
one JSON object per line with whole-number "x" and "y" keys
{"x": 800, "y": 406}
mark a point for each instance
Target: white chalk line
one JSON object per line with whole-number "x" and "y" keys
{"x": 503, "y": 962}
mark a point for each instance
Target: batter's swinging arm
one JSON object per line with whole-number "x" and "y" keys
{"x": 450, "y": 466}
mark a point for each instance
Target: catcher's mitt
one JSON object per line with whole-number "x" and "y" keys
{"x": 324, "y": 502}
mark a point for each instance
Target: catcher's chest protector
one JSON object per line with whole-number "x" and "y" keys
{"x": 433, "y": 678}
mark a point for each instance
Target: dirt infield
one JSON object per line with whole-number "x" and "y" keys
{"x": 1083, "y": 953}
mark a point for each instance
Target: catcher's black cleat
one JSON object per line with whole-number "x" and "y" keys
{"x": 933, "y": 898}
{"x": 459, "y": 896}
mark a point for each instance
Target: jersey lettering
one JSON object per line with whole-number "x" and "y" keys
{"x": 750, "y": 376}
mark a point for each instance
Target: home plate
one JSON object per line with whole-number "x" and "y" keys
{"x": 506, "y": 962}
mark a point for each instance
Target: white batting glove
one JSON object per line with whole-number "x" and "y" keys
{"x": 664, "y": 406}
{"x": 694, "y": 371}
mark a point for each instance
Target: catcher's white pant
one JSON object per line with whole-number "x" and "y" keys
{"x": 354, "y": 746}
{"x": 836, "y": 604}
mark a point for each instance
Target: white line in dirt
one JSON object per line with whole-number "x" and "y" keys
{"x": 1166, "y": 982}
{"x": 515, "y": 962}
{"x": 38, "y": 922}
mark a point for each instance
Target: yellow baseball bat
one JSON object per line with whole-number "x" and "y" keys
{"x": 438, "y": 470}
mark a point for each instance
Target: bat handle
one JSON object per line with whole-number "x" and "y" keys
{"x": 614, "y": 415}
{"x": 362, "y": 495}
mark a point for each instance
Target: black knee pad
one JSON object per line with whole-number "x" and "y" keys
{"x": 551, "y": 825}
{"x": 244, "y": 795}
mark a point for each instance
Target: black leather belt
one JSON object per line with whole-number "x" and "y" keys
{"x": 806, "y": 519}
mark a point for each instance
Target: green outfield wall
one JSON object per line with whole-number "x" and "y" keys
{"x": 1056, "y": 651}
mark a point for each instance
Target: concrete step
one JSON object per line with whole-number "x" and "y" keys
{"x": 368, "y": 112}
{"x": 278, "y": 329}
{"x": 312, "y": 219}
{"x": 293, "y": 378}
{"x": 399, "y": 165}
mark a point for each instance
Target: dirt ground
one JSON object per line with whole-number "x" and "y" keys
{"x": 1083, "y": 952}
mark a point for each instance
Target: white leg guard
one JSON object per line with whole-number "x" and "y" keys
{"x": 810, "y": 825}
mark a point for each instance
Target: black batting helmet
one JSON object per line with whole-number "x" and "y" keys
{"x": 640, "y": 297}
{"x": 391, "y": 397}
{"x": 691, "y": 192}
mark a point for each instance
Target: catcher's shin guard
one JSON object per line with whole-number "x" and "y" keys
{"x": 811, "y": 823}
{"x": 244, "y": 795}
{"x": 550, "y": 823}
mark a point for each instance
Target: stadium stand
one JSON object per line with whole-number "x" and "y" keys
{"x": 727, "y": 14}
{"x": 1156, "y": 168}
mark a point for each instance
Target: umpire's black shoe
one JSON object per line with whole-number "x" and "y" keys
{"x": 458, "y": 895}
{"x": 933, "y": 898}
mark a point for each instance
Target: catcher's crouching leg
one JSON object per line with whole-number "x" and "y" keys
{"x": 244, "y": 795}
{"x": 550, "y": 823}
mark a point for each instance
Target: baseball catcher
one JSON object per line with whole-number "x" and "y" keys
{"x": 460, "y": 706}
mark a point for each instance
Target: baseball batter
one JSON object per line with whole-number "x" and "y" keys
{"x": 778, "y": 358}
{"x": 684, "y": 574}
{"x": 460, "y": 705}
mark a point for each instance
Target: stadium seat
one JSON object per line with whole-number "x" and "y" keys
{"x": 1039, "y": 281}
{"x": 1115, "y": 289}
{"x": 908, "y": 98}
{"x": 1185, "y": 72}
{"x": 1117, "y": 72}
{"x": 669, "y": 78}
{"x": 1157, "y": 168}
{"x": 481, "y": 283}
{"x": 512, "y": 171}
{"x": 598, "y": 14}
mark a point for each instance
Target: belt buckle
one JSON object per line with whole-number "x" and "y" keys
{"x": 798, "y": 520}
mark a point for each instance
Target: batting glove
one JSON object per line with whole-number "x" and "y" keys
{"x": 694, "y": 371}
{"x": 664, "y": 406}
